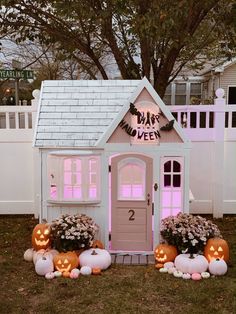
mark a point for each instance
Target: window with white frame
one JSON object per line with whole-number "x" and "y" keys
{"x": 183, "y": 93}
{"x": 171, "y": 186}
{"x": 74, "y": 178}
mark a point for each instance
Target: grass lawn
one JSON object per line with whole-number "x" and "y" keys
{"x": 120, "y": 289}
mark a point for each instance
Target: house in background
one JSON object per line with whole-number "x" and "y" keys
{"x": 200, "y": 89}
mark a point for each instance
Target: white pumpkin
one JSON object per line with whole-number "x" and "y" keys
{"x": 57, "y": 273}
{"x": 44, "y": 265}
{"x": 28, "y": 255}
{"x": 163, "y": 270}
{"x": 171, "y": 270}
{"x": 95, "y": 258}
{"x": 178, "y": 274}
{"x": 218, "y": 267}
{"x": 37, "y": 255}
{"x": 205, "y": 275}
{"x": 186, "y": 276}
{"x": 169, "y": 265}
{"x": 86, "y": 270}
{"x": 187, "y": 264}
{"x": 49, "y": 275}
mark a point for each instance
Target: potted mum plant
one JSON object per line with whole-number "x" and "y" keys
{"x": 73, "y": 232}
{"x": 188, "y": 233}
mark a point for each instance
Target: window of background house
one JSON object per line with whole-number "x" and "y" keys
{"x": 180, "y": 94}
{"x": 232, "y": 95}
{"x": 195, "y": 93}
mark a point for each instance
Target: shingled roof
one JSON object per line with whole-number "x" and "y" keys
{"x": 77, "y": 113}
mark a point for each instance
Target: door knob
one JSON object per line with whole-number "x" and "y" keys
{"x": 155, "y": 187}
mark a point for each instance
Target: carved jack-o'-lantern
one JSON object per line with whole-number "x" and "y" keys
{"x": 165, "y": 253}
{"x": 65, "y": 262}
{"x": 216, "y": 248}
{"x": 41, "y": 237}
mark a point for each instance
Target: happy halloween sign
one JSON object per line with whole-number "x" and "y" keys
{"x": 144, "y": 125}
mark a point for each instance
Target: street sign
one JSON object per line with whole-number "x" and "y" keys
{"x": 16, "y": 74}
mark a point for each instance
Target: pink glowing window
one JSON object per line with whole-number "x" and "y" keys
{"x": 171, "y": 187}
{"x": 72, "y": 178}
{"x": 131, "y": 180}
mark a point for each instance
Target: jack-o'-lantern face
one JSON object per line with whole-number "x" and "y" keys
{"x": 41, "y": 237}
{"x": 216, "y": 248}
{"x": 165, "y": 253}
{"x": 65, "y": 262}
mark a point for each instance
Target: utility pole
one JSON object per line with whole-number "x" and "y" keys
{"x": 17, "y": 66}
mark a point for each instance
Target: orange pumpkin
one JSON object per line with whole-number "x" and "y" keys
{"x": 97, "y": 245}
{"x": 96, "y": 271}
{"x": 41, "y": 237}
{"x": 165, "y": 253}
{"x": 65, "y": 262}
{"x": 216, "y": 248}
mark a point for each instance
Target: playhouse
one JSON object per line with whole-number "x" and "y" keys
{"x": 111, "y": 150}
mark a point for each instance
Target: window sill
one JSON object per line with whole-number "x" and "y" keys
{"x": 73, "y": 202}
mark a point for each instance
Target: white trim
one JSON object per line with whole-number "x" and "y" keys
{"x": 35, "y": 127}
{"x": 73, "y": 153}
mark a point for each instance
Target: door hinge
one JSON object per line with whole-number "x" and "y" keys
{"x": 152, "y": 209}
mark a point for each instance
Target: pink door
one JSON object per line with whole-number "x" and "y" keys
{"x": 131, "y": 203}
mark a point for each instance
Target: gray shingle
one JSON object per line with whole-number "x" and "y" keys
{"x": 77, "y": 113}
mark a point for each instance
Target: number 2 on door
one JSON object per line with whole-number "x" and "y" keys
{"x": 131, "y": 212}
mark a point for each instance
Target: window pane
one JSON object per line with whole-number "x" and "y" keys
{"x": 166, "y": 198}
{"x": 167, "y": 180}
{"x": 180, "y": 89}
{"x": 166, "y": 212}
{"x": 67, "y": 178}
{"x": 180, "y": 100}
{"x": 93, "y": 192}
{"x": 167, "y": 166}
{"x": 67, "y": 164}
{"x": 176, "y": 200}
{"x": 77, "y": 192}
{"x": 176, "y": 180}
{"x": 232, "y": 95}
{"x": 131, "y": 181}
{"x": 175, "y": 211}
{"x": 195, "y": 89}
{"x": 177, "y": 167}
{"x": 67, "y": 192}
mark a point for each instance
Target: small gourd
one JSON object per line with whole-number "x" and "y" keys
{"x": 86, "y": 270}
{"x": 196, "y": 276}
